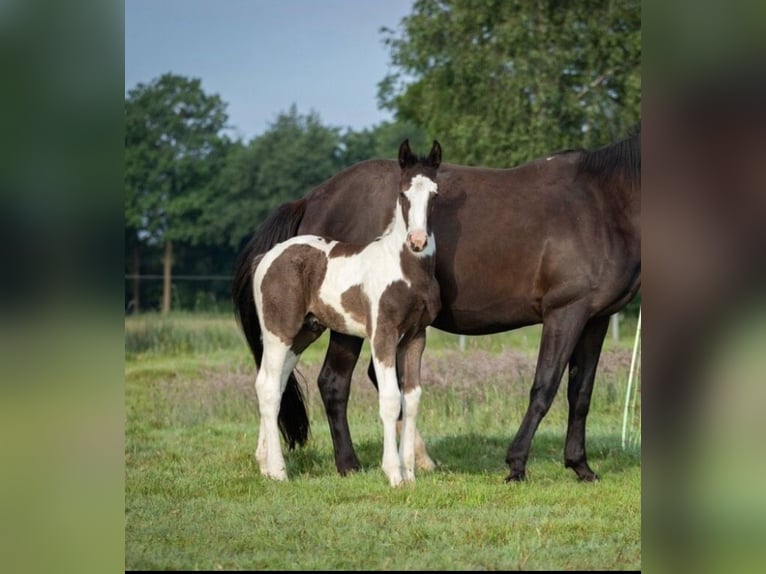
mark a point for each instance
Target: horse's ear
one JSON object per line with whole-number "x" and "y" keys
{"x": 435, "y": 157}
{"x": 405, "y": 154}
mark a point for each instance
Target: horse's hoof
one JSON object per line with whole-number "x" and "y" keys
{"x": 589, "y": 477}
{"x": 347, "y": 471}
{"x": 583, "y": 472}
{"x": 347, "y": 465}
{"x": 516, "y": 476}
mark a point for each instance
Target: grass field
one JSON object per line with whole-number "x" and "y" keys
{"x": 195, "y": 499}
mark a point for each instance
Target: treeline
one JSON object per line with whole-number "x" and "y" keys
{"x": 497, "y": 82}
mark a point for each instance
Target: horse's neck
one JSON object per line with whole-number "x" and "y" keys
{"x": 395, "y": 235}
{"x": 626, "y": 197}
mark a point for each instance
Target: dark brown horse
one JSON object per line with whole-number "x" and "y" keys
{"x": 555, "y": 241}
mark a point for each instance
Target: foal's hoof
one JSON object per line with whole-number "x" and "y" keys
{"x": 425, "y": 463}
{"x": 394, "y": 478}
{"x": 280, "y": 475}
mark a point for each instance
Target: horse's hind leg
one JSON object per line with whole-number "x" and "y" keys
{"x": 269, "y": 392}
{"x": 582, "y": 372}
{"x": 335, "y": 386}
{"x": 561, "y": 330}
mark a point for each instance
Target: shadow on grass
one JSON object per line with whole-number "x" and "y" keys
{"x": 479, "y": 454}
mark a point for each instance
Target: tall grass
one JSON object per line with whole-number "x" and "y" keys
{"x": 195, "y": 333}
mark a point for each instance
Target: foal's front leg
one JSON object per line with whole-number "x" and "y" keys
{"x": 423, "y": 460}
{"x": 390, "y": 401}
{"x": 412, "y": 353}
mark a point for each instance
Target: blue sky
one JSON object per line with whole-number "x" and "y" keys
{"x": 261, "y": 56}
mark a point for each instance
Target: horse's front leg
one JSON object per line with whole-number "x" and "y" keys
{"x": 582, "y": 372}
{"x": 334, "y": 386}
{"x": 390, "y": 403}
{"x": 410, "y": 358}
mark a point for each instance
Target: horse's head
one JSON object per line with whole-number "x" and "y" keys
{"x": 417, "y": 192}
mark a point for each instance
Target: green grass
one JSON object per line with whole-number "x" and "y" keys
{"x": 196, "y": 500}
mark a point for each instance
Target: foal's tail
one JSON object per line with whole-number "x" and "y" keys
{"x": 281, "y": 225}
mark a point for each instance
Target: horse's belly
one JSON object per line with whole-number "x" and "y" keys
{"x": 486, "y": 320}
{"x": 339, "y": 317}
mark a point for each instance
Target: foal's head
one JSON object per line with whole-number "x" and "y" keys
{"x": 417, "y": 191}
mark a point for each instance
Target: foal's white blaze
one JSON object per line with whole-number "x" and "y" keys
{"x": 418, "y": 194}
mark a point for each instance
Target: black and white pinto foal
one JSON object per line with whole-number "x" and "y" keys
{"x": 384, "y": 291}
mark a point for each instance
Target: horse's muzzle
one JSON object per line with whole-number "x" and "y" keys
{"x": 417, "y": 240}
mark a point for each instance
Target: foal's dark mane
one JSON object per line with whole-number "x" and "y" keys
{"x": 620, "y": 158}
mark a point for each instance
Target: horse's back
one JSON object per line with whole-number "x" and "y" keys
{"x": 354, "y": 205}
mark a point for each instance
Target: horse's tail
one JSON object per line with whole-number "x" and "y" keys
{"x": 282, "y": 224}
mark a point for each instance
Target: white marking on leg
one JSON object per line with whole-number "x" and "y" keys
{"x": 291, "y": 359}
{"x": 422, "y": 460}
{"x": 410, "y": 400}
{"x": 390, "y": 403}
{"x": 269, "y": 392}
{"x": 261, "y": 451}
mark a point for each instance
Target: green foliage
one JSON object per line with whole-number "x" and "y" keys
{"x": 499, "y": 82}
{"x": 173, "y": 151}
{"x": 295, "y": 154}
{"x": 382, "y": 141}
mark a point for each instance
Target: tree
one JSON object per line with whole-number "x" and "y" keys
{"x": 173, "y": 150}
{"x": 284, "y": 163}
{"x": 381, "y": 141}
{"x": 499, "y": 82}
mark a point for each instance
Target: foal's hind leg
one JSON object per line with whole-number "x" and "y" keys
{"x": 268, "y": 389}
{"x": 582, "y": 372}
{"x": 561, "y": 330}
